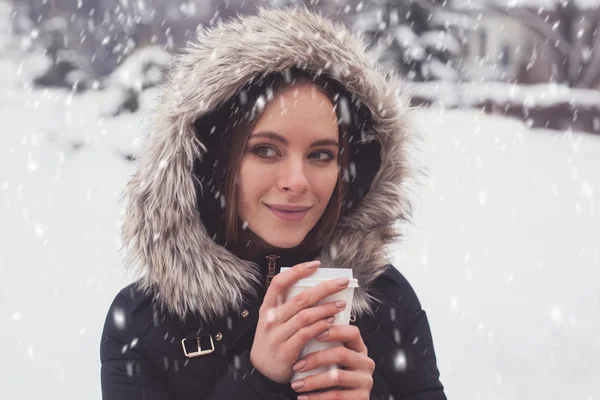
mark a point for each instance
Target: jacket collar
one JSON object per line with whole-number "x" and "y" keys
{"x": 176, "y": 260}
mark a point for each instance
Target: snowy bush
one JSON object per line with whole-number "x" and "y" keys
{"x": 421, "y": 39}
{"x": 143, "y": 68}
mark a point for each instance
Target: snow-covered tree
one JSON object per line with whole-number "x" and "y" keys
{"x": 108, "y": 31}
{"x": 6, "y": 41}
{"x": 571, "y": 31}
{"x": 423, "y": 39}
{"x": 68, "y": 66}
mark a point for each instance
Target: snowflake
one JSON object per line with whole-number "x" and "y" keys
{"x": 454, "y": 303}
{"x": 119, "y": 318}
{"x": 400, "y": 363}
{"x": 587, "y": 189}
{"x": 30, "y": 351}
{"x": 556, "y": 314}
{"x": 129, "y": 368}
{"x": 482, "y": 198}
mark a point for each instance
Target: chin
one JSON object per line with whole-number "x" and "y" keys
{"x": 283, "y": 238}
{"x": 284, "y": 244}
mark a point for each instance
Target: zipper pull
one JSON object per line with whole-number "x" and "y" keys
{"x": 272, "y": 268}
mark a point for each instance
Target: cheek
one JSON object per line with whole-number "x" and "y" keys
{"x": 327, "y": 183}
{"x": 249, "y": 187}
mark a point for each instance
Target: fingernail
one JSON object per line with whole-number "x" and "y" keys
{"x": 313, "y": 264}
{"x": 299, "y": 365}
{"x": 322, "y": 334}
{"x": 330, "y": 319}
{"x": 342, "y": 281}
{"x": 340, "y": 303}
{"x": 297, "y": 385}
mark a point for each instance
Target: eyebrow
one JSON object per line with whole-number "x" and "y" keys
{"x": 279, "y": 138}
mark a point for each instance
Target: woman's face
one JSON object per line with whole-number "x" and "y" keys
{"x": 290, "y": 161}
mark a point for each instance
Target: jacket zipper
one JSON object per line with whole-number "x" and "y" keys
{"x": 272, "y": 268}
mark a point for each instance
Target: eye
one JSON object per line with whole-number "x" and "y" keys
{"x": 263, "y": 151}
{"x": 324, "y": 156}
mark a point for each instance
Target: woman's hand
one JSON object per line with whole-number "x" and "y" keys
{"x": 354, "y": 381}
{"x": 283, "y": 329}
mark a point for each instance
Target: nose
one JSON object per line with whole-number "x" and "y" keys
{"x": 293, "y": 176}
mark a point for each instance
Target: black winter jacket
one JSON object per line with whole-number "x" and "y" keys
{"x": 142, "y": 354}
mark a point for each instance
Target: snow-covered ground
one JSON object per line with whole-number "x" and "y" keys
{"x": 504, "y": 251}
{"x": 505, "y": 256}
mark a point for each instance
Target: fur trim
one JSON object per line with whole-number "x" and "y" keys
{"x": 166, "y": 243}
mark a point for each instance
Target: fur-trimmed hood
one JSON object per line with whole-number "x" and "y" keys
{"x": 165, "y": 241}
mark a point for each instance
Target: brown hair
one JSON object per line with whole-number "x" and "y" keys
{"x": 229, "y": 128}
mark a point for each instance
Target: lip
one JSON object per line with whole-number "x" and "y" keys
{"x": 289, "y": 215}
{"x": 284, "y": 207}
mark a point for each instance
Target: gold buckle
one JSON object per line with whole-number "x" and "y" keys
{"x": 200, "y": 352}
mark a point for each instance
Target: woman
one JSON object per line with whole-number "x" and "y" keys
{"x": 277, "y": 143}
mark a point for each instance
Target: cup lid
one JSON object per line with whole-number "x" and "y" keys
{"x": 325, "y": 274}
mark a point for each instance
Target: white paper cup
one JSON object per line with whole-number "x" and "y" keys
{"x": 341, "y": 318}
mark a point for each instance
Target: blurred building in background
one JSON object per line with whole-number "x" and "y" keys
{"x": 497, "y": 48}
{"x": 534, "y": 41}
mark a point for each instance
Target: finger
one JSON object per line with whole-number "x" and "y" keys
{"x": 311, "y": 296}
{"x": 298, "y": 340}
{"x": 347, "y": 334}
{"x": 339, "y": 355}
{"x": 335, "y": 377}
{"x": 309, "y": 316}
{"x": 284, "y": 280}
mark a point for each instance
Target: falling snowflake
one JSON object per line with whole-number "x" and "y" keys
{"x": 397, "y": 336}
{"x": 510, "y": 277}
{"x": 271, "y": 316}
{"x": 39, "y": 230}
{"x": 587, "y": 189}
{"x": 556, "y": 314}
{"x": 400, "y": 363}
{"x": 119, "y": 318}
{"x": 32, "y": 165}
{"x": 17, "y": 316}
{"x": 454, "y": 303}
{"x": 482, "y": 196}
{"x": 129, "y": 368}
{"x": 260, "y": 104}
{"x": 334, "y": 373}
{"x": 345, "y": 117}
{"x": 30, "y": 351}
